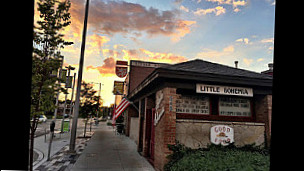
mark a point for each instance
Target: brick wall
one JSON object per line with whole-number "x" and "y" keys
{"x": 131, "y": 112}
{"x": 137, "y": 75}
{"x": 263, "y": 111}
{"x": 165, "y": 128}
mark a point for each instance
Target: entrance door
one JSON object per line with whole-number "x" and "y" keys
{"x": 151, "y": 149}
{"x": 148, "y": 131}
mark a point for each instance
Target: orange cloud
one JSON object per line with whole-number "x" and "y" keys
{"x": 182, "y": 29}
{"x": 95, "y": 43}
{"x": 162, "y": 57}
{"x": 110, "y": 17}
{"x": 107, "y": 69}
{"x": 216, "y": 10}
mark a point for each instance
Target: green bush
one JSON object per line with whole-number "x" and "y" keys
{"x": 219, "y": 158}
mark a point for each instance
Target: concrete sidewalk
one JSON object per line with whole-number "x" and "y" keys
{"x": 107, "y": 151}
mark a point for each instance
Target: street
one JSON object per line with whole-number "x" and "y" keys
{"x": 41, "y": 141}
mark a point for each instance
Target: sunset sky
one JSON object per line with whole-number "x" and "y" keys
{"x": 171, "y": 31}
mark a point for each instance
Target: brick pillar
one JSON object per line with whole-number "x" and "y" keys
{"x": 165, "y": 127}
{"x": 263, "y": 111}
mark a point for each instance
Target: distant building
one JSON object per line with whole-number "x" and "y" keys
{"x": 182, "y": 102}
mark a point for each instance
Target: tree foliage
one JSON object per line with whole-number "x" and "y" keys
{"x": 89, "y": 102}
{"x": 47, "y": 58}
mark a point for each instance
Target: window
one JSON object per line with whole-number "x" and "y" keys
{"x": 214, "y": 107}
{"x": 193, "y": 105}
{"x": 232, "y": 106}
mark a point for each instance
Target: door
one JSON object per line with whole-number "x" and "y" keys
{"x": 151, "y": 149}
{"x": 148, "y": 131}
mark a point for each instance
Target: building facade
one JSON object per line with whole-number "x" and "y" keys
{"x": 182, "y": 102}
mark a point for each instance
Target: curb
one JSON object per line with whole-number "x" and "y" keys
{"x": 40, "y": 157}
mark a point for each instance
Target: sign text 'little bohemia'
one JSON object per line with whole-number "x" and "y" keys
{"x": 221, "y": 134}
{"x": 224, "y": 90}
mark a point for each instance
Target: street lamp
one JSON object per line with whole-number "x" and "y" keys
{"x": 81, "y": 61}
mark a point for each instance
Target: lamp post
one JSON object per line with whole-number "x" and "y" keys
{"x": 81, "y": 61}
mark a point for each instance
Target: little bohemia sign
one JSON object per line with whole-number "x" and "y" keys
{"x": 224, "y": 90}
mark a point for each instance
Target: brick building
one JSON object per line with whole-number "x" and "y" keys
{"x": 182, "y": 102}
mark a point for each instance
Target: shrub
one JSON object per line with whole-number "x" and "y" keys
{"x": 217, "y": 157}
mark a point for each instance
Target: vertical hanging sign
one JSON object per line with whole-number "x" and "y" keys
{"x": 121, "y": 69}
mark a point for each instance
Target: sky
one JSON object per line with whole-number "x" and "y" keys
{"x": 168, "y": 31}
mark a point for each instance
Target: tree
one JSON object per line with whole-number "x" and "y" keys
{"x": 89, "y": 103}
{"x": 47, "y": 59}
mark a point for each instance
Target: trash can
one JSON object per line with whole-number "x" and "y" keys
{"x": 120, "y": 128}
{"x": 66, "y": 126}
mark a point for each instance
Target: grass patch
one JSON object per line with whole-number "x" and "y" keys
{"x": 219, "y": 158}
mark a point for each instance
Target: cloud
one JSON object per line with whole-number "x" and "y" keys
{"x": 212, "y": 54}
{"x": 146, "y": 55}
{"x": 163, "y": 57}
{"x": 247, "y": 61}
{"x": 216, "y": 10}
{"x": 228, "y": 49}
{"x": 234, "y": 3}
{"x": 225, "y": 56}
{"x": 109, "y": 64}
{"x": 95, "y": 43}
{"x": 238, "y": 3}
{"x": 183, "y": 8}
{"x": 111, "y": 17}
{"x": 182, "y": 30}
{"x": 244, "y": 40}
{"x": 268, "y": 40}
{"x": 107, "y": 69}
{"x": 236, "y": 10}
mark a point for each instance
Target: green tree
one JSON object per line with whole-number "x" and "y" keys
{"x": 88, "y": 103}
{"x": 47, "y": 59}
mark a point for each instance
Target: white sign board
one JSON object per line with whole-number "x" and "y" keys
{"x": 221, "y": 134}
{"x": 224, "y": 90}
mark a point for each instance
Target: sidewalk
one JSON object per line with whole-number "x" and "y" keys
{"x": 106, "y": 151}
{"x": 60, "y": 158}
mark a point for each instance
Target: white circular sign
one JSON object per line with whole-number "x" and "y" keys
{"x": 221, "y": 134}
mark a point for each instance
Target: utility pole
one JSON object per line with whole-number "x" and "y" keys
{"x": 81, "y": 61}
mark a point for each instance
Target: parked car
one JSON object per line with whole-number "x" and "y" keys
{"x": 42, "y": 118}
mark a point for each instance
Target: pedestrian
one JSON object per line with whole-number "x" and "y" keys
{"x": 96, "y": 120}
